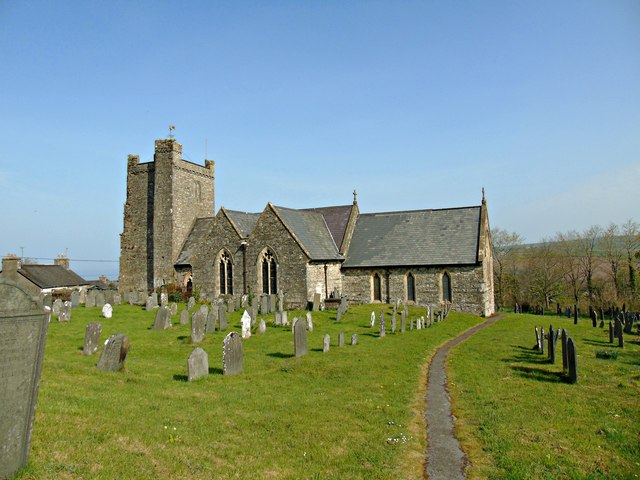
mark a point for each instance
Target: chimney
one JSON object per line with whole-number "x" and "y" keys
{"x": 10, "y": 267}
{"x": 62, "y": 261}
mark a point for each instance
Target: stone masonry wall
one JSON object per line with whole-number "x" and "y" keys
{"x": 316, "y": 279}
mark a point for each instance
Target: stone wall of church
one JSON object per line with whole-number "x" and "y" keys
{"x": 467, "y": 286}
{"x": 269, "y": 232}
{"x": 316, "y": 279}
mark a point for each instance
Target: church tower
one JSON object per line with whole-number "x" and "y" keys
{"x": 164, "y": 198}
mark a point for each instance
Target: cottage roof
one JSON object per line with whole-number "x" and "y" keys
{"x": 197, "y": 236}
{"x": 51, "y": 276}
{"x": 311, "y": 230}
{"x": 337, "y": 219}
{"x": 416, "y": 238}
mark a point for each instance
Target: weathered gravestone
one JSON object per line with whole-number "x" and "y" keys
{"x": 90, "y": 301}
{"x": 107, "y": 310}
{"x": 246, "y": 324}
{"x": 47, "y": 301}
{"x": 232, "y": 354}
{"x": 542, "y": 337}
{"x": 109, "y": 296}
{"x": 273, "y": 299}
{"x": 75, "y": 298}
{"x": 231, "y": 305}
{"x": 222, "y": 317}
{"x": 23, "y": 333}
{"x": 393, "y": 322}
{"x": 264, "y": 304}
{"x": 198, "y": 321}
{"x": 205, "y": 310}
{"x": 191, "y": 303}
{"x": 572, "y": 361}
{"x": 299, "y": 337}
{"x": 373, "y": 319}
{"x": 382, "y": 325}
{"x": 594, "y": 318}
{"x": 57, "y": 305}
{"x": 163, "y": 319}
{"x": 565, "y": 357}
{"x": 92, "y": 338}
{"x": 610, "y": 331}
{"x": 339, "y": 314}
{"x": 278, "y": 318}
{"x": 309, "y": 322}
{"x": 212, "y": 319}
{"x": 552, "y": 345}
{"x": 173, "y": 308}
{"x": 326, "y": 343}
{"x": 114, "y": 353}
{"x": 117, "y": 299}
{"x": 341, "y": 339}
{"x": 65, "y": 312}
{"x": 100, "y": 300}
{"x": 354, "y": 339}
{"x": 262, "y": 327}
{"x": 280, "y": 301}
{"x": 316, "y": 302}
{"x": 419, "y": 323}
{"x": 285, "y": 319}
{"x": 537, "y": 345}
{"x": 164, "y": 299}
{"x": 197, "y": 364}
{"x": 150, "y": 304}
{"x": 184, "y": 317}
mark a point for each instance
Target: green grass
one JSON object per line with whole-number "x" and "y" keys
{"x": 518, "y": 418}
{"x": 325, "y": 415}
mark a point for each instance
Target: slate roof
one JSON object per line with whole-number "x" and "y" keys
{"x": 413, "y": 238}
{"x": 336, "y": 219}
{"x": 51, "y": 276}
{"x": 312, "y": 231}
{"x": 243, "y": 220}
{"x": 197, "y": 236}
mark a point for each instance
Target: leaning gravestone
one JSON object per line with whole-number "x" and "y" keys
{"x": 222, "y": 317}
{"x": 231, "y": 305}
{"x": 75, "y": 298}
{"x": 198, "y": 320}
{"x": 326, "y": 343}
{"x": 92, "y": 338}
{"x": 197, "y": 364}
{"x": 114, "y": 353}
{"x": 65, "y": 312}
{"x": 100, "y": 301}
{"x": 163, "y": 319}
{"x": 107, "y": 310}
{"x": 184, "y": 317}
{"x": 232, "y": 354}
{"x": 57, "y": 305}
{"x": 299, "y": 337}
{"x": 23, "y": 333}
{"x": 246, "y": 324}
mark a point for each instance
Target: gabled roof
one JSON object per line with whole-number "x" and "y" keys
{"x": 197, "y": 236}
{"x": 311, "y": 231}
{"x": 51, "y": 276}
{"x": 243, "y": 221}
{"x": 416, "y": 238}
{"x": 336, "y": 219}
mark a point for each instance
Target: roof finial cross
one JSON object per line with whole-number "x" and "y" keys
{"x": 355, "y": 195}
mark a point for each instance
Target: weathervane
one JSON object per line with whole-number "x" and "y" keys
{"x": 171, "y": 129}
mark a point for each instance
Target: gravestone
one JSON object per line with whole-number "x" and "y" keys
{"x": 411, "y": 325}
{"x": 246, "y": 325}
{"x": 341, "y": 339}
{"x": 309, "y": 322}
{"x": 575, "y": 315}
{"x": 198, "y": 323}
{"x": 339, "y": 314}
{"x": 191, "y": 303}
{"x": 537, "y": 346}
{"x": 47, "y": 301}
{"x": 621, "y": 338}
{"x": 393, "y": 323}
{"x": 141, "y": 297}
{"x": 164, "y": 299}
{"x": 23, "y": 333}
{"x": 108, "y": 296}
{"x": 184, "y": 317}
{"x": 344, "y": 304}
{"x": 205, "y": 310}
{"x": 278, "y": 318}
{"x": 552, "y": 345}
{"x": 316, "y": 302}
{"x": 163, "y": 319}
{"x": 273, "y": 299}
{"x": 114, "y": 353}
{"x": 280, "y": 301}
{"x": 117, "y": 299}
{"x": 610, "y": 331}
{"x": 382, "y": 326}
{"x": 212, "y": 318}
{"x": 132, "y": 298}
{"x": 222, "y": 318}
{"x": 542, "y": 337}
{"x": 150, "y": 304}
{"x": 403, "y": 320}
{"x": 75, "y": 298}
{"x": 231, "y": 305}
{"x": 285, "y": 318}
{"x": 107, "y": 310}
{"x": 100, "y": 300}
{"x": 326, "y": 343}
{"x": 419, "y": 323}
{"x": 197, "y": 364}
{"x": 565, "y": 358}
{"x": 264, "y": 304}
{"x": 57, "y": 305}
{"x": 92, "y": 338}
{"x": 65, "y": 312}
{"x": 299, "y": 337}
{"x": 594, "y": 319}
{"x": 262, "y": 327}
{"x": 90, "y": 301}
{"x": 232, "y": 354}
{"x": 354, "y": 339}
{"x": 173, "y": 308}
{"x": 373, "y": 319}
{"x": 431, "y": 316}
{"x": 572, "y": 361}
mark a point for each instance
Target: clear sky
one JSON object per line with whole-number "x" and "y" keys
{"x": 413, "y": 104}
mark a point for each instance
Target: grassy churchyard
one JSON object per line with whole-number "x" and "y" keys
{"x": 354, "y": 412}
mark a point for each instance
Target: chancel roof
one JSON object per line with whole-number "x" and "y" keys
{"x": 416, "y": 238}
{"x": 336, "y": 219}
{"x": 51, "y": 276}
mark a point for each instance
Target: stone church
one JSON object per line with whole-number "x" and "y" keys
{"x": 172, "y": 235}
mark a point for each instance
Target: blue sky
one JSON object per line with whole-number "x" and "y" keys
{"x": 413, "y": 104}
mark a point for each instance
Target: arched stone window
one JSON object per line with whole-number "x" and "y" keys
{"x": 269, "y": 269}
{"x": 225, "y": 271}
{"x": 377, "y": 288}
{"x": 411, "y": 287}
{"x": 446, "y": 287}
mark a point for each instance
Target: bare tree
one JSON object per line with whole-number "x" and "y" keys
{"x": 587, "y": 243}
{"x": 544, "y": 272}
{"x": 504, "y": 246}
{"x": 613, "y": 250}
{"x": 570, "y": 262}
{"x": 631, "y": 240}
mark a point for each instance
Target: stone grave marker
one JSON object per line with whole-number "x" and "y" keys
{"x": 280, "y": 301}
{"x": 316, "y": 302}
{"x": 191, "y": 303}
{"x": 212, "y": 319}
{"x": 326, "y": 343}
{"x": 205, "y": 310}
{"x": 163, "y": 319}
{"x": 117, "y": 299}
{"x": 114, "y": 353}
{"x": 373, "y": 319}
{"x": 341, "y": 339}
{"x": 173, "y": 308}
{"x": 621, "y": 338}
{"x": 100, "y": 300}
{"x": 47, "y": 301}
{"x": 309, "y": 322}
{"x": 264, "y": 304}
{"x": 198, "y": 323}
{"x": 164, "y": 299}
{"x": 108, "y": 296}
{"x": 537, "y": 346}
{"x": 278, "y": 318}
{"x": 382, "y": 325}
{"x": 149, "y": 305}
{"x": 90, "y": 301}
{"x": 57, "y": 305}
{"x": 299, "y": 337}
{"x": 542, "y": 340}
{"x": 65, "y": 312}
{"x": 262, "y": 327}
{"x": 23, "y": 333}
{"x": 393, "y": 322}
{"x": 184, "y": 317}
{"x": 231, "y": 305}
{"x": 572, "y": 361}
{"x": 431, "y": 316}
{"x": 197, "y": 364}
{"x": 418, "y": 323}
{"x": 273, "y": 300}
{"x": 75, "y": 298}
{"x": 610, "y": 331}
{"x": 575, "y": 315}
{"x": 565, "y": 358}
{"x": 246, "y": 325}
{"x": 107, "y": 310}
{"x": 411, "y": 325}
{"x": 552, "y": 346}
{"x": 594, "y": 319}
{"x": 354, "y": 339}
{"x": 92, "y": 338}
{"x": 285, "y": 318}
{"x": 222, "y": 318}
{"x": 232, "y": 354}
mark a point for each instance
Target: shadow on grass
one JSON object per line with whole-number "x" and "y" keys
{"x": 215, "y": 371}
{"x": 181, "y": 378}
{"x": 182, "y": 337}
{"x": 316, "y": 350}
{"x": 374, "y": 335}
{"x": 280, "y": 355}
{"x": 597, "y": 343}
{"x": 539, "y": 374}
